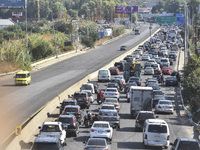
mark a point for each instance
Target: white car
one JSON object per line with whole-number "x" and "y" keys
{"x": 101, "y": 129}
{"x": 104, "y": 75}
{"x": 164, "y": 62}
{"x": 111, "y": 92}
{"x": 148, "y": 70}
{"x": 164, "y": 106}
{"x": 145, "y": 57}
{"x": 53, "y": 129}
{"x": 91, "y": 97}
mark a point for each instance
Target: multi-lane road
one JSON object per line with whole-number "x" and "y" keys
{"x": 17, "y": 103}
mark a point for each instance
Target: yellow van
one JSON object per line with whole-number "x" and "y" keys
{"x": 22, "y": 77}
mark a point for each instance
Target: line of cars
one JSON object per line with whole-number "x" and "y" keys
{"x": 155, "y": 131}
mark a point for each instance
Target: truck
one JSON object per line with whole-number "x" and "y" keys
{"x": 140, "y": 99}
{"x": 132, "y": 69}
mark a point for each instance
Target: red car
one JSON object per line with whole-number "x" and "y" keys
{"x": 114, "y": 71}
{"x": 166, "y": 71}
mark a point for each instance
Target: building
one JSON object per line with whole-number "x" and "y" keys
{"x": 5, "y": 23}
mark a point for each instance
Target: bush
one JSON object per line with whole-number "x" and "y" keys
{"x": 118, "y": 31}
{"x": 41, "y": 49}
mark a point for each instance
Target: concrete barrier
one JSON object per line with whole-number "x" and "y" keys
{"x": 28, "y": 131}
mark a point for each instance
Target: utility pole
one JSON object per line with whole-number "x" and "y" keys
{"x": 26, "y": 30}
{"x": 38, "y": 10}
{"x": 88, "y": 24}
{"x": 185, "y": 37}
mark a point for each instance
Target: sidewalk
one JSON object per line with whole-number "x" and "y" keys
{"x": 181, "y": 62}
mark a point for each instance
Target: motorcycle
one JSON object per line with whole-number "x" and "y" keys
{"x": 99, "y": 100}
{"x": 87, "y": 122}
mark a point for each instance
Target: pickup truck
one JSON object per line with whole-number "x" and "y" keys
{"x": 53, "y": 129}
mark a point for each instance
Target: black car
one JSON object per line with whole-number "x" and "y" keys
{"x": 70, "y": 124}
{"x": 141, "y": 117}
{"x": 135, "y": 79}
{"x": 171, "y": 80}
{"x": 74, "y": 110}
{"x": 123, "y": 48}
{"x": 113, "y": 85}
{"x": 82, "y": 99}
{"x": 121, "y": 86}
{"x": 119, "y": 65}
{"x": 67, "y": 102}
{"x": 172, "y": 56}
{"x": 137, "y": 32}
{"x": 154, "y": 86}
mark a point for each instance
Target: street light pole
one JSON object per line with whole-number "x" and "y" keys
{"x": 26, "y": 29}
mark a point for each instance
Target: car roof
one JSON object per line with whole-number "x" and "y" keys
{"x": 46, "y": 139}
{"x": 72, "y": 106}
{"x": 69, "y": 100}
{"x": 145, "y": 112}
{"x": 165, "y": 100}
{"x": 101, "y": 122}
{"x": 185, "y": 139}
{"x": 108, "y": 105}
{"x": 51, "y": 123}
{"x": 108, "y": 110}
{"x": 111, "y": 88}
{"x": 66, "y": 116}
{"x": 156, "y": 121}
{"x": 22, "y": 72}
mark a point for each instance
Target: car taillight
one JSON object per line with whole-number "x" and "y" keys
{"x": 116, "y": 94}
{"x": 105, "y": 93}
{"x": 106, "y": 149}
{"x": 137, "y": 121}
{"x": 171, "y": 106}
{"x": 139, "y": 82}
{"x": 73, "y": 97}
{"x": 159, "y": 106}
{"x": 120, "y": 83}
{"x": 85, "y": 98}
{"x": 85, "y": 148}
{"x": 145, "y": 136}
{"x": 117, "y": 118}
{"x": 168, "y": 137}
{"x": 116, "y": 104}
{"x": 74, "y": 123}
{"x": 92, "y": 130}
{"x": 107, "y": 130}
{"x": 102, "y": 118}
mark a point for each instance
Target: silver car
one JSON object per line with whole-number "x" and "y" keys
{"x": 96, "y": 143}
{"x": 164, "y": 106}
{"x": 148, "y": 70}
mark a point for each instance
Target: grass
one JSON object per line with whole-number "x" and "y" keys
{"x": 6, "y": 67}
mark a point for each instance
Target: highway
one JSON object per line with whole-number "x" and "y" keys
{"x": 17, "y": 103}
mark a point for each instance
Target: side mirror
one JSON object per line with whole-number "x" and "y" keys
{"x": 170, "y": 143}
{"x": 57, "y": 107}
{"x": 39, "y": 127}
{"x": 157, "y": 116}
{"x": 84, "y": 142}
{"x": 56, "y": 119}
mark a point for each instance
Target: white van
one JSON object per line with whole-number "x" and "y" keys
{"x": 88, "y": 86}
{"x": 156, "y": 133}
{"x": 104, "y": 75}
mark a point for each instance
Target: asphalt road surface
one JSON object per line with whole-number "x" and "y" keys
{"x": 17, "y": 103}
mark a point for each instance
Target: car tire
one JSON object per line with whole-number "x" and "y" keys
{"x": 165, "y": 147}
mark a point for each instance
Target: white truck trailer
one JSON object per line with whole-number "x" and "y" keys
{"x": 140, "y": 99}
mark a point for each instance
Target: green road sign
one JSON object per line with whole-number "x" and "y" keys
{"x": 165, "y": 20}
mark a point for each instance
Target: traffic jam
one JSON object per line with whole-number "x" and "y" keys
{"x": 129, "y": 98}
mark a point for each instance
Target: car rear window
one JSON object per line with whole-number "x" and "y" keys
{"x": 111, "y": 90}
{"x": 165, "y": 102}
{"x": 109, "y": 114}
{"x": 66, "y": 120}
{"x": 157, "y": 128}
{"x": 97, "y": 142}
{"x": 144, "y": 116}
{"x": 186, "y": 145}
{"x": 77, "y": 95}
{"x": 107, "y": 107}
{"x": 68, "y": 103}
{"x": 50, "y": 128}
{"x": 71, "y": 110}
{"x": 164, "y": 60}
{"x": 100, "y": 125}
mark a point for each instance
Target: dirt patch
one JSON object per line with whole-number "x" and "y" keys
{"x": 6, "y": 67}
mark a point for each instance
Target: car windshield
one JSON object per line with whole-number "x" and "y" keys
{"x": 157, "y": 128}
{"x": 171, "y": 78}
{"x": 134, "y": 79}
{"x": 186, "y": 145}
{"x": 45, "y": 146}
{"x": 151, "y": 82}
{"x": 159, "y": 97}
{"x": 157, "y": 92}
{"x": 165, "y": 102}
{"x": 103, "y": 72}
{"x": 50, "y": 128}
{"x": 144, "y": 116}
{"x": 100, "y": 125}
{"x": 20, "y": 76}
{"x": 111, "y": 101}
{"x": 66, "y": 120}
{"x": 96, "y": 142}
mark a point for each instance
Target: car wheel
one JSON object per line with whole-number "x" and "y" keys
{"x": 128, "y": 100}
{"x": 165, "y": 147}
{"x": 76, "y": 133}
